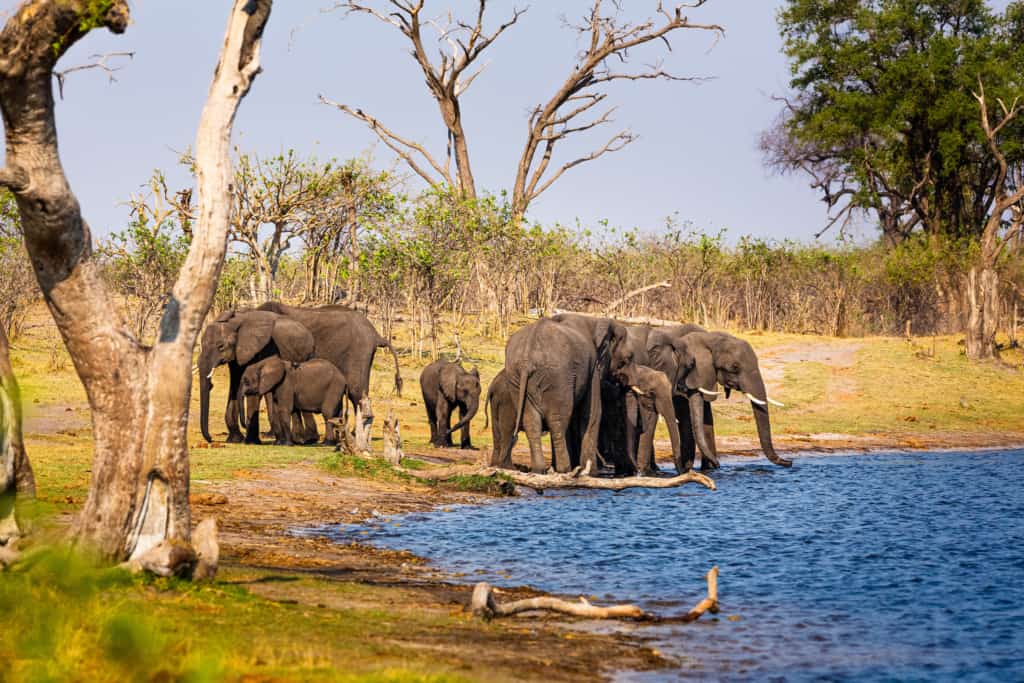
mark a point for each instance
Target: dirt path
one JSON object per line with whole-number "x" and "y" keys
{"x": 839, "y": 357}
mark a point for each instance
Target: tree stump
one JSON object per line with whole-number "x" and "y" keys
{"x": 364, "y": 423}
{"x": 392, "y": 441}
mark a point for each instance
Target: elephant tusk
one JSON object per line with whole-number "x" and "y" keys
{"x": 210, "y": 376}
{"x": 753, "y": 399}
{"x": 637, "y": 390}
{"x": 708, "y": 393}
{"x": 776, "y": 403}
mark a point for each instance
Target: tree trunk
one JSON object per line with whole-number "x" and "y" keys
{"x": 139, "y": 395}
{"x": 16, "y": 478}
{"x": 982, "y": 292}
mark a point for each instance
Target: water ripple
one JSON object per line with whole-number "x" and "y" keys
{"x": 866, "y": 568}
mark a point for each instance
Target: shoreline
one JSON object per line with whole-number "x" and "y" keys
{"x": 257, "y": 534}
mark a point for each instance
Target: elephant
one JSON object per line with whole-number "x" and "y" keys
{"x": 700, "y": 361}
{"x": 315, "y": 386}
{"x": 240, "y": 338}
{"x": 336, "y": 333}
{"x": 445, "y": 386}
{"x": 556, "y": 365}
{"x": 500, "y": 412}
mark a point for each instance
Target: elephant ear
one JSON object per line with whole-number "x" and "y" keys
{"x": 449, "y": 380}
{"x": 697, "y": 363}
{"x": 254, "y": 333}
{"x": 294, "y": 341}
{"x": 475, "y": 371}
{"x": 225, "y": 316}
{"x": 272, "y": 372}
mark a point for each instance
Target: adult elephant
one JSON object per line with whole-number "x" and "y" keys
{"x": 340, "y": 335}
{"x": 701, "y": 361}
{"x": 555, "y": 366}
{"x": 241, "y": 338}
{"x": 630, "y": 415}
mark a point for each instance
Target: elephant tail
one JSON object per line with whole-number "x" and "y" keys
{"x": 487, "y": 410}
{"x": 384, "y": 343}
{"x": 524, "y": 377}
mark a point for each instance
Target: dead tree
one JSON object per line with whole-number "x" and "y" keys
{"x": 577, "y": 105}
{"x": 447, "y": 79}
{"x": 137, "y": 503}
{"x": 1004, "y": 222}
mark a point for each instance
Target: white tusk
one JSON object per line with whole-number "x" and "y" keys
{"x": 210, "y": 376}
{"x": 776, "y": 403}
{"x": 755, "y": 400}
{"x": 637, "y": 389}
{"x": 707, "y": 393}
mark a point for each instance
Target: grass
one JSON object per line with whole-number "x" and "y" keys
{"x": 64, "y": 619}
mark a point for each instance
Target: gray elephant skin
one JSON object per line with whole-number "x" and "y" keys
{"x": 555, "y": 366}
{"x": 315, "y": 386}
{"x": 447, "y": 386}
{"x": 337, "y": 334}
{"x": 240, "y": 338}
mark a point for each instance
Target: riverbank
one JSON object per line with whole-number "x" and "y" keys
{"x": 384, "y": 615}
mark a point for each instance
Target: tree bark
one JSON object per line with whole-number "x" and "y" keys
{"x": 138, "y": 495}
{"x": 982, "y": 289}
{"x": 16, "y": 478}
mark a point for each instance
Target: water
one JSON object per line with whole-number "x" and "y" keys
{"x": 855, "y": 568}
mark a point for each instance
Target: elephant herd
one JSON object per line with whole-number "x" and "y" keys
{"x": 596, "y": 386}
{"x": 302, "y": 360}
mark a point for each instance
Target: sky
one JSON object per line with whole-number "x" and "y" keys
{"x": 696, "y": 157}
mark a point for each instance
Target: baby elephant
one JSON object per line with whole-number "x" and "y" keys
{"x": 316, "y": 386}
{"x": 447, "y": 385}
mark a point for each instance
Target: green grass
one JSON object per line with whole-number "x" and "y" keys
{"x": 66, "y": 620}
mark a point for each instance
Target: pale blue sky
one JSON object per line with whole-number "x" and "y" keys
{"x": 697, "y": 153}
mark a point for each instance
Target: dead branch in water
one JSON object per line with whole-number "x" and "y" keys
{"x": 485, "y": 606}
{"x": 576, "y": 480}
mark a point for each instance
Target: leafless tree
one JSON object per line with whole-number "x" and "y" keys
{"x": 577, "y": 106}
{"x": 447, "y": 79}
{"x": 137, "y": 506}
{"x": 1005, "y": 222}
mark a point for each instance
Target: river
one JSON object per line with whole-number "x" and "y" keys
{"x": 895, "y": 566}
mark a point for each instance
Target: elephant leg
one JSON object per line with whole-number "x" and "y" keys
{"x": 252, "y": 419}
{"x": 559, "y": 447}
{"x": 709, "y": 434}
{"x": 687, "y": 441}
{"x": 532, "y": 425}
{"x": 431, "y": 408}
{"x": 647, "y": 423}
{"x": 444, "y": 414}
{"x": 231, "y": 410}
{"x": 464, "y": 441}
{"x": 310, "y": 431}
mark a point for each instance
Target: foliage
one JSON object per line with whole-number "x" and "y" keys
{"x": 18, "y": 288}
{"x": 142, "y": 263}
{"x": 885, "y": 119}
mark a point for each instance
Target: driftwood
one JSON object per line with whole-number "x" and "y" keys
{"x": 577, "y": 480}
{"x": 485, "y": 606}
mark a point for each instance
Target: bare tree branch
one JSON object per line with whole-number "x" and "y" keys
{"x": 100, "y": 63}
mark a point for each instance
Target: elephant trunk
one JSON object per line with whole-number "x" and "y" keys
{"x": 471, "y": 409}
{"x": 764, "y": 433}
{"x": 707, "y": 451}
{"x": 208, "y": 360}
{"x": 764, "y": 425}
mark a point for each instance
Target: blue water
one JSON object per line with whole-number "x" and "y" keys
{"x": 905, "y": 566}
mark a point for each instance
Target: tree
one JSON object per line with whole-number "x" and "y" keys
{"x": 143, "y": 260}
{"x": 137, "y": 505}
{"x": 18, "y": 288}
{"x": 574, "y": 108}
{"x": 278, "y": 192}
{"x": 362, "y": 198}
{"x": 884, "y": 120}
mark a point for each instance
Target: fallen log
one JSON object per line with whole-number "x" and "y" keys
{"x": 484, "y": 605}
{"x": 576, "y": 480}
